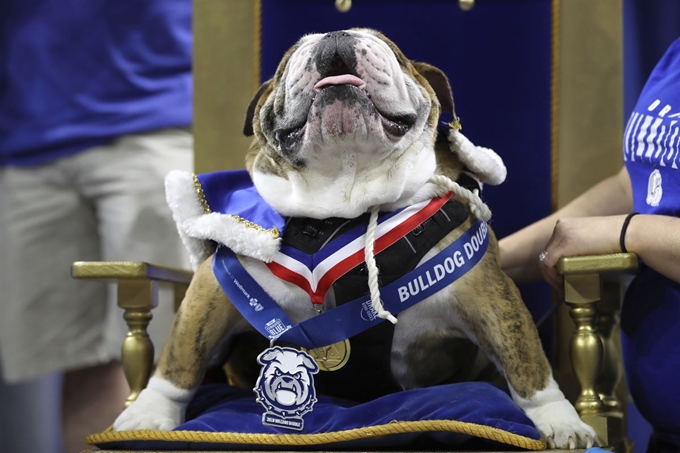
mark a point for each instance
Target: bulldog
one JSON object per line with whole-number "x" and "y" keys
{"x": 346, "y": 129}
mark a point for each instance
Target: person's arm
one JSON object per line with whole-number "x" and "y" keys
{"x": 654, "y": 238}
{"x": 519, "y": 251}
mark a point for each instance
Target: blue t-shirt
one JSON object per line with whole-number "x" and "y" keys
{"x": 650, "y": 318}
{"x": 77, "y": 74}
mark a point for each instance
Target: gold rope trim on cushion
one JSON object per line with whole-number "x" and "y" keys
{"x": 395, "y": 427}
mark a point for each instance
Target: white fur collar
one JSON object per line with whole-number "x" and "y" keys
{"x": 201, "y": 230}
{"x": 400, "y": 185}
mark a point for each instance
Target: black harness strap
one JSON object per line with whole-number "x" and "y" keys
{"x": 356, "y": 381}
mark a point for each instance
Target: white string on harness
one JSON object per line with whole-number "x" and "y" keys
{"x": 373, "y": 272}
{"x": 478, "y": 208}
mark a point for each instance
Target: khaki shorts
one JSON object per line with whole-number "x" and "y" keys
{"x": 105, "y": 203}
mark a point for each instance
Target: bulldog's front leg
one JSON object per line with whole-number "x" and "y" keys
{"x": 201, "y": 322}
{"x": 496, "y": 318}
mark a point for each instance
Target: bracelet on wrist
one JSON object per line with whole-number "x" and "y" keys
{"x": 624, "y": 228}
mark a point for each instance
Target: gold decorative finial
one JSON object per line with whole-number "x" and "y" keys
{"x": 343, "y": 5}
{"x": 466, "y": 5}
{"x": 455, "y": 124}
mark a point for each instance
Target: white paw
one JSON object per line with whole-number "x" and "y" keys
{"x": 159, "y": 406}
{"x": 556, "y": 418}
{"x": 561, "y": 426}
{"x": 151, "y": 410}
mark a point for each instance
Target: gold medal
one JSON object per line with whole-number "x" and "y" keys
{"x": 331, "y": 357}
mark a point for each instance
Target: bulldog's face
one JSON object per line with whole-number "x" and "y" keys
{"x": 344, "y": 119}
{"x": 287, "y": 376}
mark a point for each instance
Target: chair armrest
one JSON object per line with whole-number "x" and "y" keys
{"x": 129, "y": 270}
{"x": 117, "y": 271}
{"x": 137, "y": 284}
{"x": 579, "y": 265}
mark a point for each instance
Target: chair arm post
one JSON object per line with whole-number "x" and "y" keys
{"x": 179, "y": 290}
{"x": 581, "y": 294}
{"x": 137, "y": 298}
{"x": 592, "y": 347}
{"x": 611, "y": 372}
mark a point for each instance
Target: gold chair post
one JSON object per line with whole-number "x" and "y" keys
{"x": 581, "y": 294}
{"x": 593, "y": 351}
{"x": 137, "y": 295}
{"x": 137, "y": 298}
{"x": 178, "y": 291}
{"x": 611, "y": 372}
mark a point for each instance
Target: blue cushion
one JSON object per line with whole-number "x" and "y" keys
{"x": 226, "y": 418}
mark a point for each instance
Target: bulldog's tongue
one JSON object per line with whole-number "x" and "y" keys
{"x": 344, "y": 79}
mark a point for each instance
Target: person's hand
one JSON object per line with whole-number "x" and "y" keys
{"x": 578, "y": 237}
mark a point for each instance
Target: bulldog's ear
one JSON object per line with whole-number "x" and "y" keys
{"x": 310, "y": 364}
{"x": 439, "y": 83}
{"x": 250, "y": 112}
{"x": 268, "y": 356}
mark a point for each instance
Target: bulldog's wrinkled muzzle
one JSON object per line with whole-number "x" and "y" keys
{"x": 335, "y": 54}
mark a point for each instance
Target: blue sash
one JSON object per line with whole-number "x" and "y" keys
{"x": 349, "y": 319}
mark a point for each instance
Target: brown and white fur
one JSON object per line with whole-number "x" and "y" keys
{"x": 338, "y": 149}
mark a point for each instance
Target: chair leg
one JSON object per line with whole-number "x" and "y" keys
{"x": 611, "y": 373}
{"x": 179, "y": 290}
{"x": 137, "y": 298}
{"x": 581, "y": 294}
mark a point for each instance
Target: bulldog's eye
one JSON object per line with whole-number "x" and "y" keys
{"x": 298, "y": 375}
{"x": 399, "y": 125}
{"x": 288, "y": 138}
{"x": 277, "y": 372}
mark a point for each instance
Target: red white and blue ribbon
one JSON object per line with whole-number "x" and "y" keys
{"x": 354, "y": 317}
{"x": 316, "y": 273}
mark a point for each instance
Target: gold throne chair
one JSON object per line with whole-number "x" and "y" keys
{"x": 587, "y": 358}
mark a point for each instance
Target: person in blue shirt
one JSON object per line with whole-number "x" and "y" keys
{"x": 95, "y": 110}
{"x": 637, "y": 211}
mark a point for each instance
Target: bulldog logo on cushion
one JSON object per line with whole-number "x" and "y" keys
{"x": 347, "y": 130}
{"x": 285, "y": 386}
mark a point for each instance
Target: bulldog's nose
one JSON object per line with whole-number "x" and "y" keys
{"x": 336, "y": 35}
{"x": 334, "y": 54}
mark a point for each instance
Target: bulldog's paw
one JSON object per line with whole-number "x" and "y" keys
{"x": 151, "y": 411}
{"x": 160, "y": 406}
{"x": 556, "y": 418}
{"x": 561, "y": 426}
